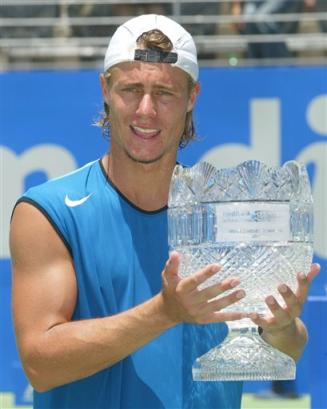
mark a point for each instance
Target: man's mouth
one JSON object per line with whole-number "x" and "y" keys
{"x": 145, "y": 133}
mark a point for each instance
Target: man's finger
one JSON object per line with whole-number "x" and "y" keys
{"x": 194, "y": 280}
{"x": 213, "y": 291}
{"x": 170, "y": 272}
{"x": 223, "y": 302}
{"x": 314, "y": 270}
{"x": 293, "y": 303}
{"x": 219, "y": 316}
{"x": 304, "y": 281}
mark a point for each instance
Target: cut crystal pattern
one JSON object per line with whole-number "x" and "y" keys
{"x": 256, "y": 222}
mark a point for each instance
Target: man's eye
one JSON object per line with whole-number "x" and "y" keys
{"x": 164, "y": 92}
{"x": 130, "y": 89}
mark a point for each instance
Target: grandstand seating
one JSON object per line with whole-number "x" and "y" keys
{"x": 72, "y": 33}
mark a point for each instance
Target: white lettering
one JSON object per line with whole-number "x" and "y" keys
{"x": 265, "y": 146}
{"x": 316, "y": 153}
{"x": 28, "y": 394}
{"x": 53, "y": 160}
{"x": 317, "y": 114}
{"x": 264, "y": 138}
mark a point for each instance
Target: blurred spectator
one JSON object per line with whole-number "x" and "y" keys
{"x": 139, "y": 9}
{"x": 319, "y": 6}
{"x": 205, "y": 9}
{"x": 28, "y": 31}
{"x": 274, "y": 49}
{"x": 109, "y": 10}
{"x": 21, "y": 31}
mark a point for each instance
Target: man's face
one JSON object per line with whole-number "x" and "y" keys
{"x": 148, "y": 103}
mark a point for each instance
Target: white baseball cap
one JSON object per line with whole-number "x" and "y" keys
{"x": 123, "y": 47}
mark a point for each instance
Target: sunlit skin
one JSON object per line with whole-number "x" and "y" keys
{"x": 148, "y": 104}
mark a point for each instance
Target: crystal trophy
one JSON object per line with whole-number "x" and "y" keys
{"x": 257, "y": 223}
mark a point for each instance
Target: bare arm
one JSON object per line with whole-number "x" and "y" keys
{"x": 56, "y": 350}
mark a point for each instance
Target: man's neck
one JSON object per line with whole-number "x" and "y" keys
{"x": 145, "y": 185}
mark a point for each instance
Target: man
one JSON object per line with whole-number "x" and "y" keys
{"x": 252, "y": 8}
{"x": 97, "y": 325}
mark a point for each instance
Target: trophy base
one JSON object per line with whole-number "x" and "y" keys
{"x": 244, "y": 357}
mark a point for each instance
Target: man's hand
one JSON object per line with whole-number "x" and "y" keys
{"x": 282, "y": 327}
{"x": 185, "y": 302}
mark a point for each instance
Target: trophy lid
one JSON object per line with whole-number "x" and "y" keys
{"x": 251, "y": 180}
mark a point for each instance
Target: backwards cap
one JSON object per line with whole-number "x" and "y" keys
{"x": 123, "y": 47}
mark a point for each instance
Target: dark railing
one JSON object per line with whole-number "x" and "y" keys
{"x": 38, "y": 33}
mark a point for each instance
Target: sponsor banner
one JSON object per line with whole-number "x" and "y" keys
{"x": 47, "y": 128}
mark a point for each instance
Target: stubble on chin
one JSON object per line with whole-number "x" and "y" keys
{"x": 144, "y": 161}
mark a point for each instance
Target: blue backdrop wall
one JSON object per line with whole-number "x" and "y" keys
{"x": 271, "y": 114}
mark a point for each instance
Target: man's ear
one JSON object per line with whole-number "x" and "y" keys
{"x": 193, "y": 95}
{"x": 104, "y": 87}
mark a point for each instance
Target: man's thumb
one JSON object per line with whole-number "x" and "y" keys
{"x": 172, "y": 265}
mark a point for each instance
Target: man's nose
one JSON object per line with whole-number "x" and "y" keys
{"x": 146, "y": 105}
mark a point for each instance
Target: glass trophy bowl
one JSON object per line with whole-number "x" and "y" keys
{"x": 257, "y": 223}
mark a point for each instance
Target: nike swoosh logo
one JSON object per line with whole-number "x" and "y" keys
{"x": 73, "y": 203}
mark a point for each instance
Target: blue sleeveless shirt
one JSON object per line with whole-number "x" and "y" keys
{"x": 118, "y": 253}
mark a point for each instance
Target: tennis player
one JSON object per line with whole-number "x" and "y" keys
{"x": 102, "y": 317}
